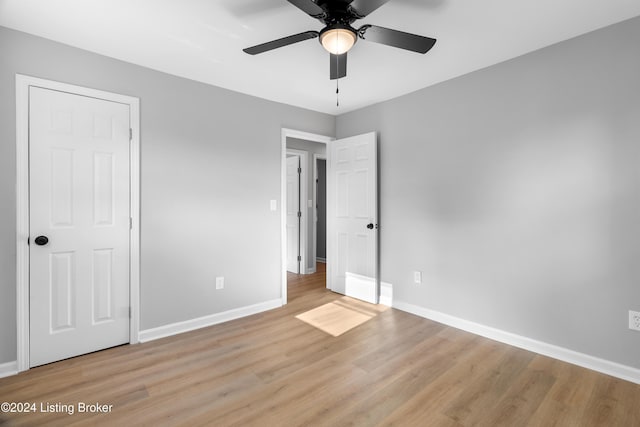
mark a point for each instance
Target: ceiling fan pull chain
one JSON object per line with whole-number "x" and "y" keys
{"x": 337, "y": 80}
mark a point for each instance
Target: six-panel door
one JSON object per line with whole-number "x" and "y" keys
{"x": 352, "y": 225}
{"x": 79, "y": 200}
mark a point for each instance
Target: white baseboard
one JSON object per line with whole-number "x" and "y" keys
{"x": 9, "y": 368}
{"x": 386, "y": 294}
{"x": 323, "y": 260}
{"x": 614, "y": 369}
{"x": 201, "y": 322}
{"x": 361, "y": 287}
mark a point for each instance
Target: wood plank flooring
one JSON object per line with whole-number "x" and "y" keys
{"x": 272, "y": 369}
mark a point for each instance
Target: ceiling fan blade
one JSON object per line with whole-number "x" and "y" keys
{"x": 309, "y": 7}
{"x": 362, "y": 8}
{"x": 285, "y": 41}
{"x": 337, "y": 66}
{"x": 396, "y": 38}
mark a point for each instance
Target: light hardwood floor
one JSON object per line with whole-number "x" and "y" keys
{"x": 272, "y": 369}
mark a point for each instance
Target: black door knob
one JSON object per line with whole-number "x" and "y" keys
{"x": 41, "y": 240}
{"x": 370, "y": 226}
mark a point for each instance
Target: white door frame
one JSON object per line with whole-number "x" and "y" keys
{"x": 290, "y": 133}
{"x": 22, "y": 204}
{"x": 303, "y": 158}
{"x": 314, "y": 251}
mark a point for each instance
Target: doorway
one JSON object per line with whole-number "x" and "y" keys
{"x": 77, "y": 220}
{"x": 301, "y": 143}
{"x": 352, "y": 267}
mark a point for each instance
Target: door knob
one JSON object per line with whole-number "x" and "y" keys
{"x": 370, "y": 226}
{"x": 41, "y": 240}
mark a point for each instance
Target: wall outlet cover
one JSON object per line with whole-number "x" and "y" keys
{"x": 219, "y": 282}
{"x": 634, "y": 320}
{"x": 417, "y": 276}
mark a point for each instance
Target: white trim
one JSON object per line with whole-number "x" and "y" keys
{"x": 22, "y": 204}
{"x": 203, "y": 322}
{"x": 614, "y": 369}
{"x": 322, "y": 260}
{"x": 22, "y": 222}
{"x": 134, "y": 233}
{"x": 303, "y": 161}
{"x": 298, "y": 134}
{"x": 9, "y": 368}
{"x": 314, "y": 249}
{"x": 289, "y": 133}
{"x": 386, "y": 294}
{"x": 361, "y": 287}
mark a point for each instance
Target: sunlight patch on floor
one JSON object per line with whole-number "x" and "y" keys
{"x": 341, "y": 315}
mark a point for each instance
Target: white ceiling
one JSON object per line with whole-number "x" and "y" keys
{"x": 203, "y": 40}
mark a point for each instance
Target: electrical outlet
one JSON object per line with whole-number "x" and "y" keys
{"x": 219, "y": 282}
{"x": 634, "y": 320}
{"x": 417, "y": 276}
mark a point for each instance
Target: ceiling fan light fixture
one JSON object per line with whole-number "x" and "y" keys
{"x": 338, "y": 40}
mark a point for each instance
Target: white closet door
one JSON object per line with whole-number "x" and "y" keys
{"x": 79, "y": 224}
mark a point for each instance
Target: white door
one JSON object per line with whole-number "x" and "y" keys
{"x": 352, "y": 219}
{"x": 79, "y": 202}
{"x": 293, "y": 214}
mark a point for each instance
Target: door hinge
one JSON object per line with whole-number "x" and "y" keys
{"x": 299, "y": 171}
{"x": 130, "y": 223}
{"x": 299, "y": 214}
{"x": 130, "y": 134}
{"x": 299, "y": 258}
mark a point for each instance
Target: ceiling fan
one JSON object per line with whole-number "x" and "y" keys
{"x": 338, "y": 36}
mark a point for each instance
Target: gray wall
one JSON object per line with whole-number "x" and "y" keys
{"x": 516, "y": 191}
{"x": 312, "y": 148}
{"x": 210, "y": 164}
